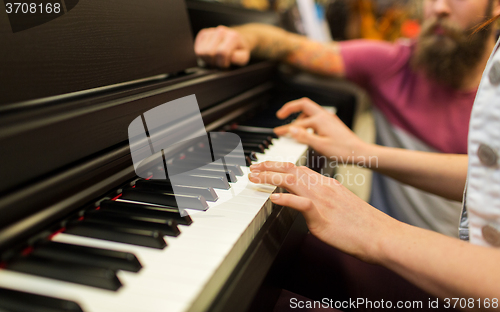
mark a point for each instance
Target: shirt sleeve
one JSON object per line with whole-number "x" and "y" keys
{"x": 367, "y": 60}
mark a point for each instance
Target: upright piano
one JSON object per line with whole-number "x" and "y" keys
{"x": 79, "y": 231}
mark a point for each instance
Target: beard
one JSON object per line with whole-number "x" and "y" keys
{"x": 446, "y": 53}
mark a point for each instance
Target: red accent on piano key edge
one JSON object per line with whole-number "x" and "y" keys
{"x": 3, "y": 265}
{"x": 56, "y": 232}
{"x": 116, "y": 197}
{"x": 149, "y": 177}
{"x": 81, "y": 218}
{"x": 27, "y": 251}
{"x": 98, "y": 208}
{"x": 182, "y": 157}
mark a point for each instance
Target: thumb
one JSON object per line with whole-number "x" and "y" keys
{"x": 304, "y": 136}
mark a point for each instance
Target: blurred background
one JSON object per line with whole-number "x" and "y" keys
{"x": 347, "y": 19}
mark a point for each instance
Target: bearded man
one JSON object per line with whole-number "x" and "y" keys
{"x": 422, "y": 91}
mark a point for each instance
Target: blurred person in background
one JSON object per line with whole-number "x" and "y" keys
{"x": 422, "y": 91}
{"x": 361, "y": 255}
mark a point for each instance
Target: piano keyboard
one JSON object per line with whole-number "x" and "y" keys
{"x": 189, "y": 271}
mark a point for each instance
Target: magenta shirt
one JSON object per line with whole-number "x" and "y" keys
{"x": 437, "y": 115}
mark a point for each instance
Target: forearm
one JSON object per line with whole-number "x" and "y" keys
{"x": 440, "y": 174}
{"x": 441, "y": 265}
{"x": 274, "y": 43}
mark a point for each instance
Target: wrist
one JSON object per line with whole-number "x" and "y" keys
{"x": 365, "y": 155}
{"x": 386, "y": 247}
{"x": 249, "y": 37}
{"x": 266, "y": 41}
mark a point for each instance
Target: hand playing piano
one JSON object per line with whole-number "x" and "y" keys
{"x": 332, "y": 212}
{"x": 222, "y": 47}
{"x": 331, "y": 136}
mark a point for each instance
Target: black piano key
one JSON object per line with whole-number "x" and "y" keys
{"x": 245, "y": 132}
{"x": 230, "y": 176}
{"x": 264, "y": 143}
{"x": 69, "y": 272}
{"x": 233, "y": 167}
{"x": 163, "y": 198}
{"x": 268, "y": 119}
{"x": 18, "y": 301}
{"x": 166, "y": 227}
{"x": 227, "y": 147}
{"x": 249, "y": 155}
{"x": 166, "y": 199}
{"x": 224, "y": 153}
{"x": 120, "y": 234}
{"x": 228, "y": 159}
{"x": 145, "y": 211}
{"x": 207, "y": 192}
{"x": 221, "y": 152}
{"x": 246, "y": 142}
{"x": 192, "y": 157}
{"x": 219, "y": 182}
{"x": 254, "y": 136}
{"x": 166, "y": 186}
{"x": 254, "y": 130}
{"x": 248, "y": 160}
{"x": 247, "y": 148}
{"x": 111, "y": 259}
{"x": 256, "y": 147}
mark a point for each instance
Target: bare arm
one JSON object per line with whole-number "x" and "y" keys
{"x": 440, "y": 174}
{"x": 223, "y": 46}
{"x": 444, "y": 266}
{"x": 441, "y": 265}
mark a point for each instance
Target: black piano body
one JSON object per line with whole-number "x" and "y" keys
{"x": 69, "y": 89}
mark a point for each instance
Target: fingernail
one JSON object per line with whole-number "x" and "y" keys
{"x": 294, "y": 130}
{"x": 275, "y": 196}
{"x": 253, "y": 174}
{"x": 252, "y": 167}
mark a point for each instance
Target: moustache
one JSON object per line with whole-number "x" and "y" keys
{"x": 443, "y": 28}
